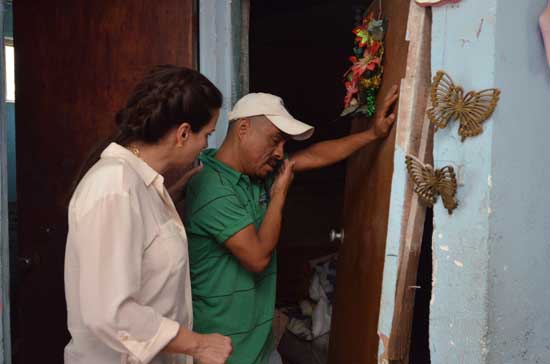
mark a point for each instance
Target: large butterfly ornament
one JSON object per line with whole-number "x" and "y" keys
{"x": 449, "y": 102}
{"x": 430, "y": 183}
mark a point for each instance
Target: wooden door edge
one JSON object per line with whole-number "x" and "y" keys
{"x": 414, "y": 136}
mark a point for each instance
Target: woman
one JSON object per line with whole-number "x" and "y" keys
{"x": 126, "y": 265}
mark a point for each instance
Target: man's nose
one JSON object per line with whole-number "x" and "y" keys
{"x": 280, "y": 151}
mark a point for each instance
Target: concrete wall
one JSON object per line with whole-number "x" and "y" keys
{"x": 491, "y": 257}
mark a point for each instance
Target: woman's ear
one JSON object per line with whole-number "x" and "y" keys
{"x": 182, "y": 134}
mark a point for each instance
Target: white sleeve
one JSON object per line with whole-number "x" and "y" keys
{"x": 110, "y": 240}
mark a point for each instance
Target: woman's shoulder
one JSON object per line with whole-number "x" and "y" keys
{"x": 108, "y": 177}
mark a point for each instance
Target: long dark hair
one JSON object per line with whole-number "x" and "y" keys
{"x": 166, "y": 97}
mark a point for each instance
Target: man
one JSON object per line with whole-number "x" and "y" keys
{"x": 233, "y": 218}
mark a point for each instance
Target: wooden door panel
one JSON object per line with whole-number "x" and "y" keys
{"x": 354, "y": 338}
{"x": 76, "y": 62}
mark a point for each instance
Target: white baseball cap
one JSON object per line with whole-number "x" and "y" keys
{"x": 272, "y": 107}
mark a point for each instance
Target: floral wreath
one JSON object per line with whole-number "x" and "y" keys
{"x": 363, "y": 78}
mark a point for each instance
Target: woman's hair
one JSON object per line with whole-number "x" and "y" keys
{"x": 168, "y": 96}
{"x": 165, "y": 98}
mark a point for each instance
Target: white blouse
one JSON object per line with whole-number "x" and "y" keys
{"x": 126, "y": 265}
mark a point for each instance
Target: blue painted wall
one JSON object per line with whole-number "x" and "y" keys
{"x": 490, "y": 301}
{"x": 10, "y": 111}
{"x": 463, "y": 44}
{"x": 10, "y": 120}
{"x": 519, "y": 244}
{"x": 220, "y": 55}
{"x": 8, "y": 18}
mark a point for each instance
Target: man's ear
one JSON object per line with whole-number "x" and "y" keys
{"x": 243, "y": 127}
{"x": 182, "y": 133}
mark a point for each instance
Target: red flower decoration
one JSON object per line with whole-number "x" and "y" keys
{"x": 351, "y": 90}
{"x": 375, "y": 47}
{"x": 368, "y": 62}
{"x": 362, "y": 31}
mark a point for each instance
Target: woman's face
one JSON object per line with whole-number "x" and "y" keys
{"x": 197, "y": 142}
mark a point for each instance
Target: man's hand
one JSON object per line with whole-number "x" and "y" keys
{"x": 331, "y": 151}
{"x": 383, "y": 122}
{"x": 283, "y": 180}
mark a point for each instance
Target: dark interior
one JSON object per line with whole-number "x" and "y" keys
{"x": 299, "y": 51}
{"x": 420, "y": 345}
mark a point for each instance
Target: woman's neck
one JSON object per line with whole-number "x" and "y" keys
{"x": 155, "y": 155}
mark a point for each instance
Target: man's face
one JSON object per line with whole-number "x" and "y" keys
{"x": 263, "y": 147}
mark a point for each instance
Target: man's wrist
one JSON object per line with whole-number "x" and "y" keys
{"x": 278, "y": 199}
{"x": 371, "y": 134}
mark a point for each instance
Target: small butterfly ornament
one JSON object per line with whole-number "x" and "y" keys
{"x": 430, "y": 183}
{"x": 450, "y": 102}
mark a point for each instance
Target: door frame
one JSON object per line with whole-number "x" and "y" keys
{"x": 5, "y": 327}
{"x": 414, "y": 135}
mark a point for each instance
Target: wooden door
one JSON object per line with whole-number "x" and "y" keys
{"x": 76, "y": 62}
{"x": 354, "y": 338}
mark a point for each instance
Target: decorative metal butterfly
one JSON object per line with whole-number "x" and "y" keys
{"x": 430, "y": 183}
{"x": 449, "y": 102}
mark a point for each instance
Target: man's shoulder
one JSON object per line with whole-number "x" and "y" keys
{"x": 206, "y": 186}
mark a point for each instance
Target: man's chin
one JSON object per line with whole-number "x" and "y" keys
{"x": 264, "y": 172}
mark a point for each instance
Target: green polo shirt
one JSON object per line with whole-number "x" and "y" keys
{"x": 228, "y": 299}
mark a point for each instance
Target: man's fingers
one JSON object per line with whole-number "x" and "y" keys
{"x": 391, "y": 98}
{"x": 392, "y": 92}
{"x": 288, "y": 165}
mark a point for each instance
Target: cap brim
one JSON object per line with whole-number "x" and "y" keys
{"x": 296, "y": 129}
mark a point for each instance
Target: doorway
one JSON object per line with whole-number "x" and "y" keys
{"x": 300, "y": 51}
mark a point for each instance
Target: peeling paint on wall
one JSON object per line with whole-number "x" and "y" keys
{"x": 480, "y": 28}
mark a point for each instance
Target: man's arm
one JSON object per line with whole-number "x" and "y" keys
{"x": 329, "y": 152}
{"x": 254, "y": 248}
{"x": 176, "y": 188}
